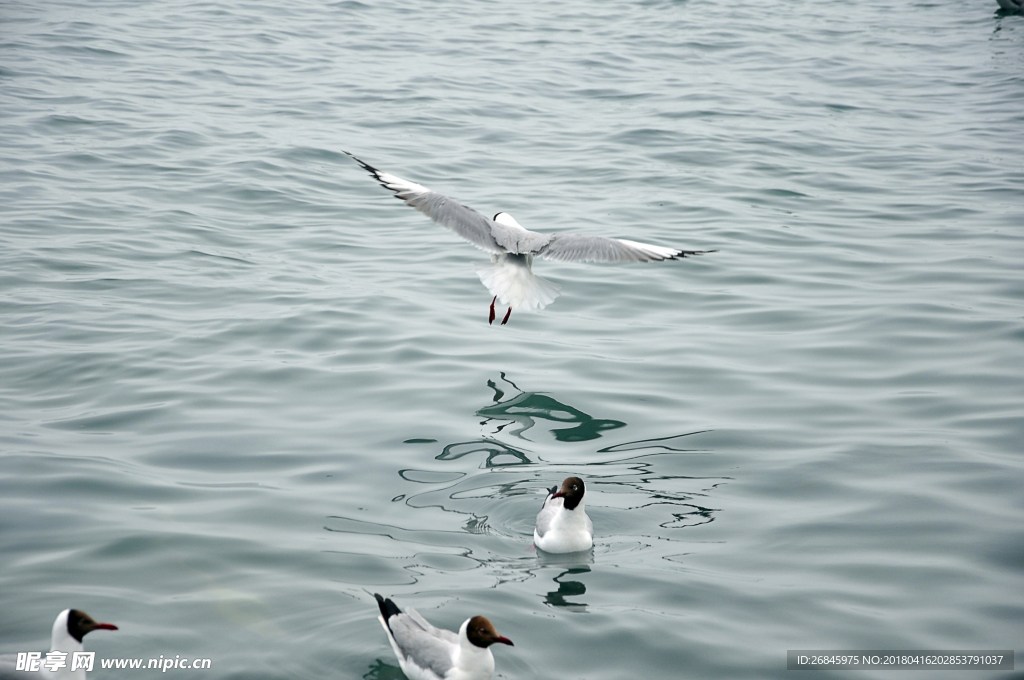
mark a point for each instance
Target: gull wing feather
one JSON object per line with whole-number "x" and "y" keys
{"x": 544, "y": 519}
{"x": 580, "y": 248}
{"x": 463, "y": 220}
{"x": 448, "y": 635}
{"x": 547, "y": 512}
{"x": 421, "y": 645}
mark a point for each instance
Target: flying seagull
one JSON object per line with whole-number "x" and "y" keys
{"x": 69, "y": 628}
{"x": 562, "y": 524}
{"x": 509, "y": 277}
{"x": 428, "y": 653}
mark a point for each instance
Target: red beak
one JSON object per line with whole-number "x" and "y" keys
{"x": 105, "y": 626}
{"x": 504, "y": 640}
{"x": 558, "y": 494}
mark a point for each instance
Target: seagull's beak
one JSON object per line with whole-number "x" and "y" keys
{"x": 104, "y": 626}
{"x": 504, "y": 640}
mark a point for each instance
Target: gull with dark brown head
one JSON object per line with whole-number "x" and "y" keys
{"x": 66, "y": 636}
{"x": 509, "y": 277}
{"x": 562, "y": 523}
{"x": 428, "y": 653}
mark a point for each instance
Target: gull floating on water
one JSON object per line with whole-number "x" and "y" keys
{"x": 562, "y": 524}
{"x": 69, "y": 628}
{"x": 428, "y": 653}
{"x": 509, "y": 276}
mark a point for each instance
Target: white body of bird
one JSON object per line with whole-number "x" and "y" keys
{"x": 562, "y": 524}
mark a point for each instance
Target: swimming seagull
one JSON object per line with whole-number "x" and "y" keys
{"x": 509, "y": 276}
{"x": 562, "y": 524}
{"x": 69, "y": 628}
{"x": 428, "y": 653}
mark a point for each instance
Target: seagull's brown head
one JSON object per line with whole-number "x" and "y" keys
{"x": 481, "y": 633}
{"x": 572, "y": 491}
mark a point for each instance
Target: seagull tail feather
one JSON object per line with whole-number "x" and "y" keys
{"x": 510, "y": 278}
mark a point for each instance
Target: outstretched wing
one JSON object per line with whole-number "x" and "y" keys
{"x": 579, "y": 248}
{"x": 463, "y": 220}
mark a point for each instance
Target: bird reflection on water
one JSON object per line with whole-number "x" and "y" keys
{"x": 498, "y": 454}
{"x": 384, "y": 671}
{"x": 523, "y": 411}
{"x": 568, "y": 589}
{"x": 526, "y": 408}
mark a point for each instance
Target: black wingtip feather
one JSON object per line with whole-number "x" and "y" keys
{"x": 683, "y": 253}
{"x": 366, "y": 166}
{"x": 387, "y": 607}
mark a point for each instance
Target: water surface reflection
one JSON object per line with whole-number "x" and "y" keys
{"x": 383, "y": 671}
{"x": 526, "y": 408}
{"x": 498, "y": 454}
{"x": 469, "y": 508}
{"x": 568, "y": 588}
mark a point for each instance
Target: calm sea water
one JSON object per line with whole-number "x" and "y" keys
{"x": 242, "y": 388}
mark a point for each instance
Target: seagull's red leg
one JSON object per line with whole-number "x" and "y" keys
{"x": 490, "y": 319}
{"x": 507, "y": 314}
